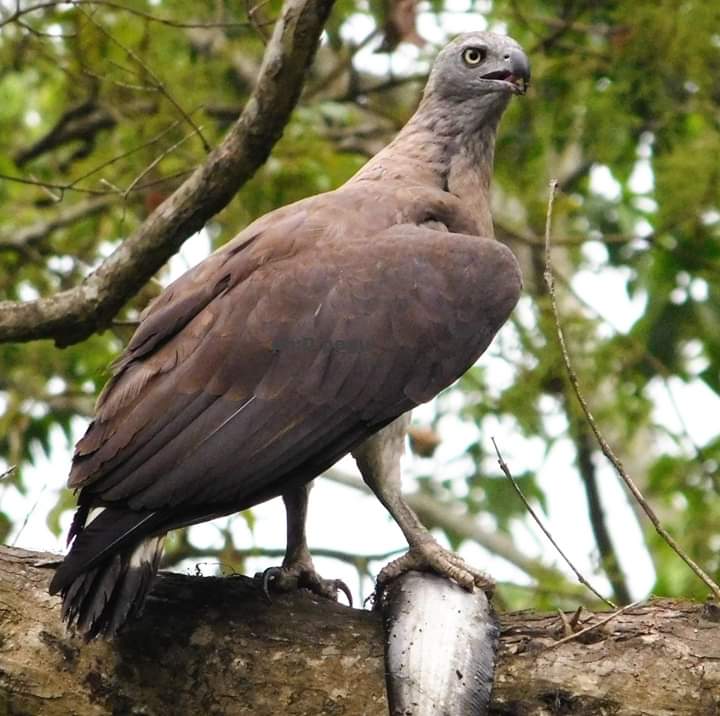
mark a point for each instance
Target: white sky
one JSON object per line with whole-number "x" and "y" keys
{"x": 343, "y": 519}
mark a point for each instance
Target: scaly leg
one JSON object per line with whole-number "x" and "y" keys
{"x": 297, "y": 570}
{"x": 379, "y": 461}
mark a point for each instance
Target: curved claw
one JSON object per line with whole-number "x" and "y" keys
{"x": 327, "y": 588}
{"x": 339, "y": 584}
{"x": 267, "y": 576}
{"x": 288, "y": 580}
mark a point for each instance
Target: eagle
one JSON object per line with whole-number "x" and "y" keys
{"x": 310, "y": 335}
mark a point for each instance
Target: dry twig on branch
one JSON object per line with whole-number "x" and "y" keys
{"x": 506, "y": 471}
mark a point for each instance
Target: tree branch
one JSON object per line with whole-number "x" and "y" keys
{"x": 79, "y": 123}
{"x": 20, "y": 12}
{"x": 71, "y": 316}
{"x": 21, "y": 240}
{"x": 302, "y": 655}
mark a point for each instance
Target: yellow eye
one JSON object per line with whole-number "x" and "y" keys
{"x": 473, "y": 55}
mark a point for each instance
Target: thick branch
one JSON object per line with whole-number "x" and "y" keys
{"x": 211, "y": 645}
{"x": 71, "y": 316}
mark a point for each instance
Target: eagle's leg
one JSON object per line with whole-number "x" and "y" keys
{"x": 297, "y": 570}
{"x": 379, "y": 461}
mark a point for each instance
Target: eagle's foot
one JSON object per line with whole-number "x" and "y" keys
{"x": 301, "y": 576}
{"x": 431, "y": 557}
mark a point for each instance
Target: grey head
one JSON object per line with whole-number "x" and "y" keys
{"x": 452, "y": 133}
{"x": 479, "y": 67}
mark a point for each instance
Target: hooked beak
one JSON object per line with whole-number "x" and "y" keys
{"x": 515, "y": 73}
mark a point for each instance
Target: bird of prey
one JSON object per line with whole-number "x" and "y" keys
{"x": 310, "y": 335}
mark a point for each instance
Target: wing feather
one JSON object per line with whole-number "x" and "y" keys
{"x": 249, "y": 383}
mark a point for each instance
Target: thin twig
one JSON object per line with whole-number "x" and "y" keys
{"x": 118, "y": 6}
{"x": 664, "y": 373}
{"x": 359, "y": 561}
{"x": 51, "y": 185}
{"x": 133, "y": 184}
{"x": 45, "y": 35}
{"x": 158, "y": 82}
{"x": 602, "y": 622}
{"x": 47, "y": 186}
{"x": 166, "y": 179}
{"x": 29, "y": 514}
{"x": 533, "y": 514}
{"x": 604, "y": 446}
{"x": 257, "y": 24}
{"x": 47, "y": 189}
{"x": 8, "y": 472}
{"x": 124, "y": 155}
{"x": 117, "y": 83}
{"x": 72, "y": 185}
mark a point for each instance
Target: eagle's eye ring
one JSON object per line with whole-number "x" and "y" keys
{"x": 473, "y": 55}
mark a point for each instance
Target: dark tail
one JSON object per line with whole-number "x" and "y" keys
{"x": 108, "y": 572}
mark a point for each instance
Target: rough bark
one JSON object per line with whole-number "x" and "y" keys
{"x": 204, "y": 645}
{"x": 71, "y": 316}
{"x": 211, "y": 645}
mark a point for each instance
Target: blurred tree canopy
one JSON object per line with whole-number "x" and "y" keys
{"x": 107, "y": 106}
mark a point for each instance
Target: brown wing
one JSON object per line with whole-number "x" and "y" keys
{"x": 280, "y": 361}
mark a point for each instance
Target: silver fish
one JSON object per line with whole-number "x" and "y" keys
{"x": 440, "y": 646}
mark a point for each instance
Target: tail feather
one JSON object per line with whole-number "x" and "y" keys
{"x": 75, "y": 595}
{"x": 109, "y": 531}
{"x": 100, "y": 583}
{"x": 130, "y": 595}
{"x": 107, "y": 574}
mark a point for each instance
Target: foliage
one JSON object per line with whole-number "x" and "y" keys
{"x": 103, "y": 104}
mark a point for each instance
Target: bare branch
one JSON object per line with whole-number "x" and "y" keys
{"x": 113, "y": 160}
{"x": 7, "y": 473}
{"x": 79, "y": 123}
{"x": 27, "y": 238}
{"x": 359, "y": 561}
{"x": 15, "y": 16}
{"x": 52, "y": 185}
{"x": 506, "y": 471}
{"x": 73, "y": 315}
{"x": 307, "y": 655}
{"x": 154, "y": 163}
{"x": 41, "y": 34}
{"x": 73, "y": 184}
{"x": 604, "y": 446}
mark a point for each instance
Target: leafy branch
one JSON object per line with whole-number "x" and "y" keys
{"x": 73, "y": 315}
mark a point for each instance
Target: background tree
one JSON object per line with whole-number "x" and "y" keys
{"x": 108, "y": 106}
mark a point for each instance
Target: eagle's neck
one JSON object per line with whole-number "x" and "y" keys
{"x": 448, "y": 147}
